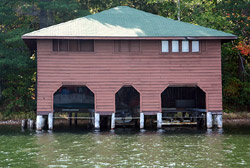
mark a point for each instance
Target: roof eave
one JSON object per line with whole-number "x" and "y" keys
{"x": 213, "y": 37}
{"x": 31, "y": 40}
{"x": 131, "y": 37}
{"x": 31, "y": 43}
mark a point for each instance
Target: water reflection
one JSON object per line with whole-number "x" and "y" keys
{"x": 171, "y": 147}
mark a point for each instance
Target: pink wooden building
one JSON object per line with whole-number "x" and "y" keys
{"x": 126, "y": 64}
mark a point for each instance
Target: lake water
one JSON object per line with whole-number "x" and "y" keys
{"x": 171, "y": 147}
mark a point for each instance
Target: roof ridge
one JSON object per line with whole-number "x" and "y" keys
{"x": 126, "y": 21}
{"x": 155, "y": 15}
{"x": 182, "y": 22}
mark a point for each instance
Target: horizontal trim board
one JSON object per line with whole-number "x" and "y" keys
{"x": 150, "y": 112}
{"x": 43, "y": 112}
{"x": 130, "y": 38}
{"x": 105, "y": 112}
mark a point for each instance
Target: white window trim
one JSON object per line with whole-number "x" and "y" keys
{"x": 197, "y": 49}
{"x": 176, "y": 46}
{"x": 164, "y": 46}
{"x": 183, "y": 44}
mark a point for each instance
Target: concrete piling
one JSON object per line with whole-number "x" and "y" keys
{"x": 30, "y": 123}
{"x": 141, "y": 120}
{"x": 113, "y": 121}
{"x": 50, "y": 121}
{"x": 219, "y": 120}
{"x": 214, "y": 120}
{"x": 159, "y": 120}
{"x": 97, "y": 121}
{"x": 209, "y": 120}
{"x": 39, "y": 122}
{"x": 24, "y": 123}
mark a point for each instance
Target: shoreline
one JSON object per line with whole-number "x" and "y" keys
{"x": 226, "y": 121}
{"x": 236, "y": 121}
{"x": 11, "y": 122}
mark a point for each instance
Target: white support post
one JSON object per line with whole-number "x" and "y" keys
{"x": 50, "y": 121}
{"x": 24, "y": 123}
{"x": 219, "y": 120}
{"x": 30, "y": 123}
{"x": 39, "y": 122}
{"x": 141, "y": 120}
{"x": 97, "y": 121}
{"x": 113, "y": 121}
{"x": 159, "y": 120}
{"x": 209, "y": 120}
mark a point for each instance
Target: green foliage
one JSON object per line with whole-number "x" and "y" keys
{"x": 18, "y": 64}
{"x": 16, "y": 67}
{"x": 17, "y": 116}
{"x": 19, "y": 92}
{"x": 236, "y": 94}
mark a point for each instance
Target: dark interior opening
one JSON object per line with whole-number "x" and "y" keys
{"x": 183, "y": 97}
{"x": 74, "y": 99}
{"x": 127, "y": 103}
{"x": 185, "y": 105}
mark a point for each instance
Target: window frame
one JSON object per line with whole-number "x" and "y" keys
{"x": 129, "y": 44}
{"x": 78, "y": 45}
{"x": 68, "y": 49}
{"x": 199, "y": 47}
{"x": 178, "y": 45}
{"x": 188, "y": 46}
{"x": 93, "y": 41}
{"x": 168, "y": 46}
{"x": 202, "y": 47}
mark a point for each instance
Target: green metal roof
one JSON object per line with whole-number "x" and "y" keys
{"x": 123, "y": 21}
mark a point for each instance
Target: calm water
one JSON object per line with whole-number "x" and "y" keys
{"x": 125, "y": 148}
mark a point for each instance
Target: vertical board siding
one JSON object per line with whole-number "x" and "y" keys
{"x": 104, "y": 71}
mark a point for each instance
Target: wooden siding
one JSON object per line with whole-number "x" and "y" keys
{"x": 105, "y": 71}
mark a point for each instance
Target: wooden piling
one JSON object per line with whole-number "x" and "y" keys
{"x": 70, "y": 118}
{"x": 75, "y": 118}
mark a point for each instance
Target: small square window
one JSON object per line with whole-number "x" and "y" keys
{"x": 134, "y": 46}
{"x": 124, "y": 46}
{"x": 185, "y": 46}
{"x": 73, "y": 45}
{"x": 164, "y": 46}
{"x": 87, "y": 45}
{"x": 127, "y": 46}
{"x": 55, "y": 45}
{"x": 175, "y": 46}
{"x": 63, "y": 45}
{"x": 195, "y": 46}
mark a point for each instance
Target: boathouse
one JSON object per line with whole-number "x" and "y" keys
{"x": 125, "y": 65}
